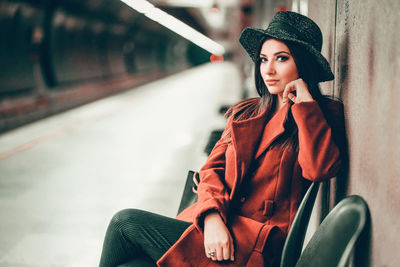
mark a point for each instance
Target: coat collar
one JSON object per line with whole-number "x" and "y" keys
{"x": 273, "y": 129}
{"x": 253, "y": 136}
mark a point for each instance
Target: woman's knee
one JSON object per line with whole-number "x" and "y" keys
{"x": 127, "y": 217}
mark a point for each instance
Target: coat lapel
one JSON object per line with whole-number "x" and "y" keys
{"x": 273, "y": 129}
{"x": 245, "y": 138}
{"x": 252, "y": 137}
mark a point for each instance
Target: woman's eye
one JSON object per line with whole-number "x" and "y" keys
{"x": 263, "y": 59}
{"x": 282, "y": 58}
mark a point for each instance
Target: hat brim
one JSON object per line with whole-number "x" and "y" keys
{"x": 251, "y": 37}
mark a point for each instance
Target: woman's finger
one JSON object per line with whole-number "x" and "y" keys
{"x": 206, "y": 250}
{"x": 226, "y": 254}
{"x": 302, "y": 93}
{"x": 292, "y": 97}
{"x": 219, "y": 252}
{"x": 210, "y": 253}
{"x": 288, "y": 88}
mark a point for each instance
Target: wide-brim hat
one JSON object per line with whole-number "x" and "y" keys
{"x": 293, "y": 27}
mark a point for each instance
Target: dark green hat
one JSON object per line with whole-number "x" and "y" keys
{"x": 294, "y": 27}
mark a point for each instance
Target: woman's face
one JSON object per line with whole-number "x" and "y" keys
{"x": 277, "y": 66}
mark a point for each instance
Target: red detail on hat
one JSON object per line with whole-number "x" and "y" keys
{"x": 281, "y": 8}
{"x": 215, "y": 58}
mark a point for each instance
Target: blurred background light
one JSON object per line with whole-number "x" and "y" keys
{"x": 176, "y": 25}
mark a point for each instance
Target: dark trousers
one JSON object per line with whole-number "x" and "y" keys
{"x": 139, "y": 238}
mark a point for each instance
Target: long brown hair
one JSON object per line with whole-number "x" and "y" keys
{"x": 252, "y": 107}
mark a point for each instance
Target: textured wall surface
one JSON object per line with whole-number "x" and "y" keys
{"x": 368, "y": 67}
{"x": 323, "y": 12}
{"x": 366, "y": 63}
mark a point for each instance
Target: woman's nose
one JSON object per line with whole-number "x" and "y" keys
{"x": 268, "y": 68}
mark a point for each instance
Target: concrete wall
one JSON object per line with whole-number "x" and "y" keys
{"x": 362, "y": 43}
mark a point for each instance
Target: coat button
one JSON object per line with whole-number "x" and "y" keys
{"x": 243, "y": 199}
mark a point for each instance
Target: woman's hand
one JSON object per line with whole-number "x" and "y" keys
{"x": 217, "y": 238}
{"x": 302, "y": 93}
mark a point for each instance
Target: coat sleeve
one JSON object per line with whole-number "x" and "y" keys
{"x": 321, "y": 145}
{"x": 213, "y": 194}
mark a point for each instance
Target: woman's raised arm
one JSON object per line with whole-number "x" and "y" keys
{"x": 321, "y": 146}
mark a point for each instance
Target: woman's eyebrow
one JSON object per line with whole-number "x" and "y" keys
{"x": 261, "y": 54}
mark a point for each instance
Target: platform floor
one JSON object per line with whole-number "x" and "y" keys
{"x": 62, "y": 178}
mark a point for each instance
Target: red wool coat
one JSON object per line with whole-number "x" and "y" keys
{"x": 253, "y": 184}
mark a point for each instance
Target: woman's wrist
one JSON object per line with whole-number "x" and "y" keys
{"x": 212, "y": 216}
{"x": 305, "y": 100}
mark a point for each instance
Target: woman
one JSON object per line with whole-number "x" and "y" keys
{"x": 255, "y": 177}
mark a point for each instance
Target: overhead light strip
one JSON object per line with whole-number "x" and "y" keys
{"x": 172, "y": 23}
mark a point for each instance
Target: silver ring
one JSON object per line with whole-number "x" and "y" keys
{"x": 211, "y": 253}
